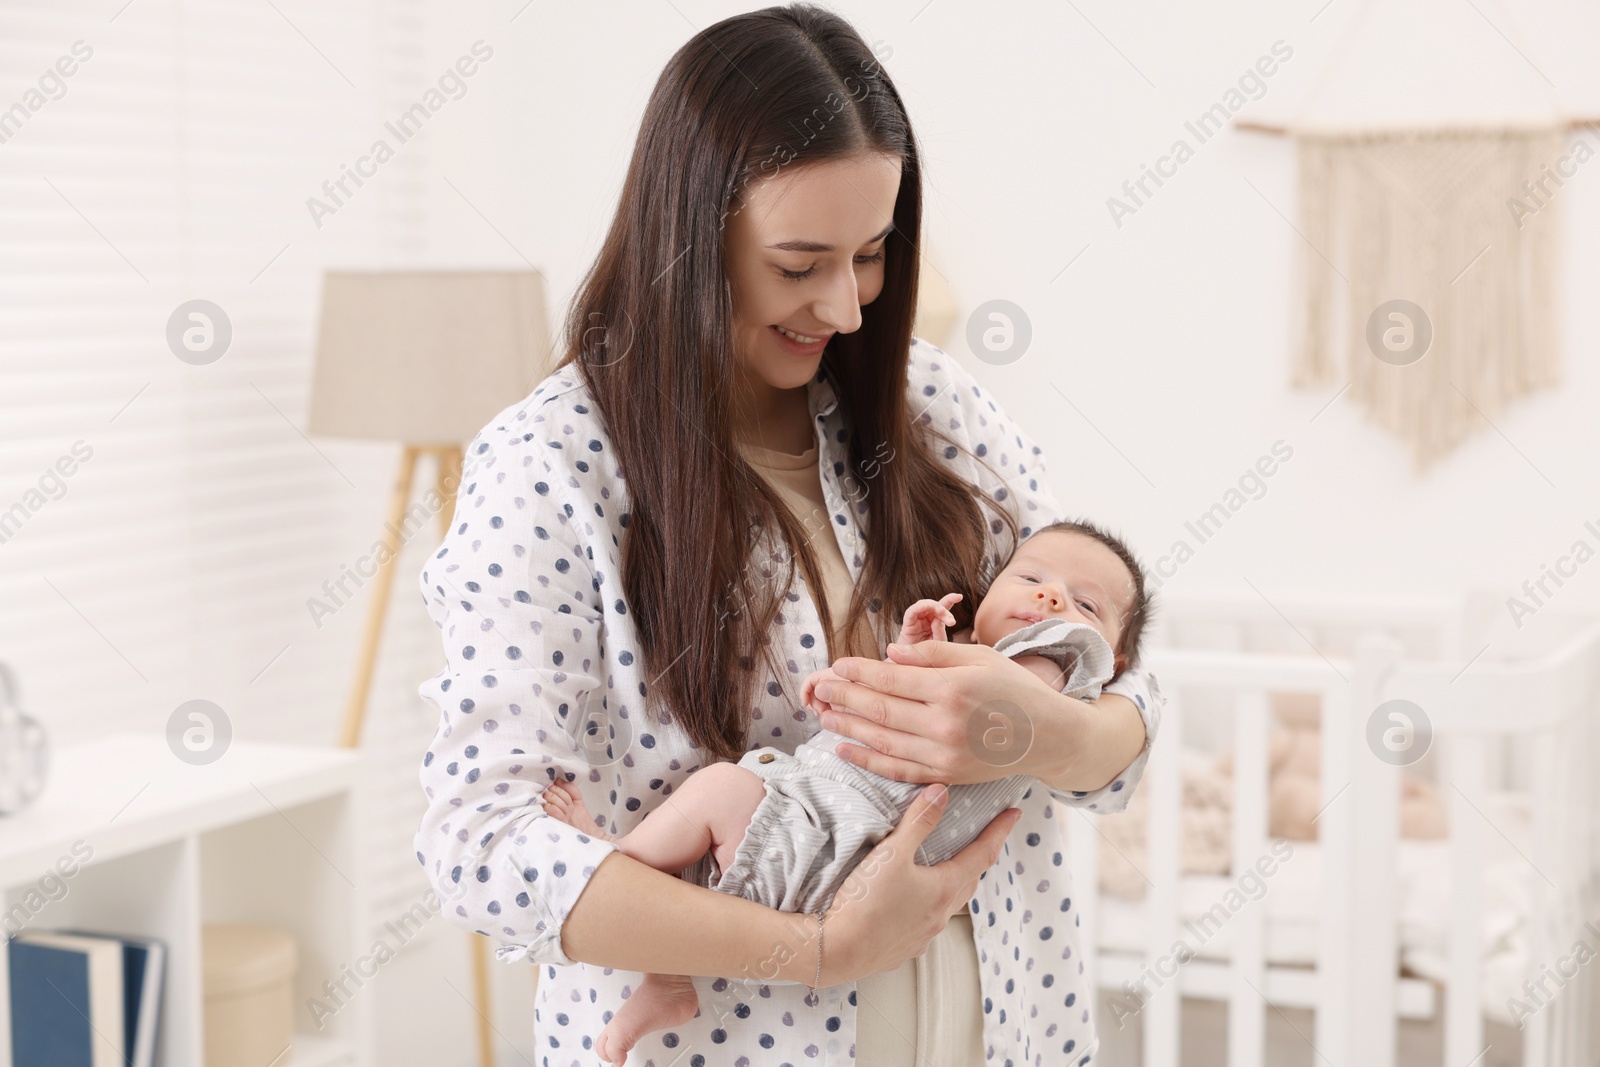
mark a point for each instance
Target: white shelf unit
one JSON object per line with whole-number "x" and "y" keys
{"x": 267, "y": 834}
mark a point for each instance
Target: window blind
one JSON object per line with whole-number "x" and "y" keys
{"x": 163, "y": 522}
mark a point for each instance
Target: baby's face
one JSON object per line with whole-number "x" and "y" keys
{"x": 1061, "y": 574}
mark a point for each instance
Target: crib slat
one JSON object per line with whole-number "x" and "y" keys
{"x": 1545, "y": 924}
{"x": 1246, "y": 1008}
{"x": 1372, "y": 868}
{"x": 1463, "y": 1027}
{"x": 1357, "y": 831}
{"x": 1335, "y": 835}
{"x": 1584, "y": 753}
{"x": 1163, "y": 1012}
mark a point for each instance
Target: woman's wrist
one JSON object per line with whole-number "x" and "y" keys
{"x": 1057, "y": 735}
{"x": 1081, "y": 746}
{"x": 793, "y": 946}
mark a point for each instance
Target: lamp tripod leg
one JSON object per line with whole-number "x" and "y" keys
{"x": 356, "y": 708}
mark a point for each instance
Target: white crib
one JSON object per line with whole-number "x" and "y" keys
{"x": 1500, "y": 722}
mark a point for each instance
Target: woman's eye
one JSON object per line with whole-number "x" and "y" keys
{"x": 801, "y": 275}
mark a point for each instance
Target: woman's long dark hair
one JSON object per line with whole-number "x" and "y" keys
{"x": 651, "y": 330}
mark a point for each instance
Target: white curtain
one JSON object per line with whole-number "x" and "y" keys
{"x": 162, "y": 524}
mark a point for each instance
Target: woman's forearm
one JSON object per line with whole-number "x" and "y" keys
{"x": 634, "y": 917}
{"x": 1082, "y": 746}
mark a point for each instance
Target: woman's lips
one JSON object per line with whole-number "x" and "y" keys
{"x": 796, "y": 347}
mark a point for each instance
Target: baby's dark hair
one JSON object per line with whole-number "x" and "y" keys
{"x": 1141, "y": 610}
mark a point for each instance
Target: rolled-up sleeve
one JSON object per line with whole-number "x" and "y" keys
{"x": 1012, "y": 472}
{"x": 518, "y": 606}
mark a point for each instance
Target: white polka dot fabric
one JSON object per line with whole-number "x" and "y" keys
{"x": 543, "y": 678}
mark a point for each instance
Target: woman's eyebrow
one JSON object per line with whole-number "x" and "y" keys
{"x": 818, "y": 246}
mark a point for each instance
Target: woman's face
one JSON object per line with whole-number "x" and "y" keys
{"x": 804, "y": 253}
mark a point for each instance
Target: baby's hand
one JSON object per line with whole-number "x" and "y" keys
{"x": 809, "y": 688}
{"x": 926, "y": 619}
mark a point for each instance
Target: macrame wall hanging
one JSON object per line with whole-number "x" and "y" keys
{"x": 1446, "y": 311}
{"x": 1428, "y": 277}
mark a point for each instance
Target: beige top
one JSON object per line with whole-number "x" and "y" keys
{"x": 795, "y": 479}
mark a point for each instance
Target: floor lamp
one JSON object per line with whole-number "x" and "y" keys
{"x": 425, "y": 358}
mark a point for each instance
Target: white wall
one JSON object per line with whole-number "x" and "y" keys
{"x": 1170, "y": 332}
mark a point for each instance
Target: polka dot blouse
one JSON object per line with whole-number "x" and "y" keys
{"x": 544, "y": 678}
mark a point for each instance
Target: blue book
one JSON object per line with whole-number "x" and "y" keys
{"x": 66, "y": 1001}
{"x": 143, "y": 969}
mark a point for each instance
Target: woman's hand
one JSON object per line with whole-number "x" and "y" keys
{"x": 891, "y": 906}
{"x": 944, "y": 712}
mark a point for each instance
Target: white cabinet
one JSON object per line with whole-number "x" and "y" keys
{"x": 156, "y": 847}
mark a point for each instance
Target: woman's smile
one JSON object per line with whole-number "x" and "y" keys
{"x": 811, "y": 345}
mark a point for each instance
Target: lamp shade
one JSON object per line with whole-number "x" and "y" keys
{"x": 425, "y": 357}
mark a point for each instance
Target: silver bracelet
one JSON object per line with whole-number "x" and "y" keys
{"x": 818, "y": 980}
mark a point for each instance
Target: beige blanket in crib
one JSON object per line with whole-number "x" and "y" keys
{"x": 1207, "y": 828}
{"x": 1293, "y": 799}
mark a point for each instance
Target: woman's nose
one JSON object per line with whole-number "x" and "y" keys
{"x": 841, "y": 306}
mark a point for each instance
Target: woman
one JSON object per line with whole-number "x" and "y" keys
{"x": 743, "y": 469}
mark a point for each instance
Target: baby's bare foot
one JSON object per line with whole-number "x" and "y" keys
{"x": 563, "y": 801}
{"x": 661, "y": 1001}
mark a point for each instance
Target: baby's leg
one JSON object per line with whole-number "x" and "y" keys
{"x": 662, "y": 1000}
{"x": 709, "y": 811}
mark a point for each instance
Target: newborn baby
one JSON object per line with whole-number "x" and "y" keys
{"x": 786, "y": 830}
